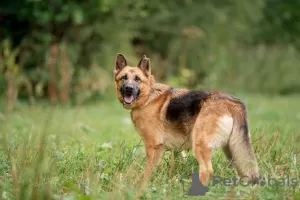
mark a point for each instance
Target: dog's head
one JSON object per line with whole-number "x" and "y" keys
{"x": 133, "y": 84}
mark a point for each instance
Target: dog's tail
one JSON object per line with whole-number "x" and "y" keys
{"x": 240, "y": 146}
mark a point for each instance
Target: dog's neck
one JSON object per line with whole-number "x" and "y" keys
{"x": 157, "y": 89}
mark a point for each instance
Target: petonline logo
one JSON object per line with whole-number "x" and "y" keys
{"x": 198, "y": 189}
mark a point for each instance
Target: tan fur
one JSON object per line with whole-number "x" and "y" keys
{"x": 218, "y": 125}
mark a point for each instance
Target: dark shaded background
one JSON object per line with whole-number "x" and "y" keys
{"x": 63, "y": 51}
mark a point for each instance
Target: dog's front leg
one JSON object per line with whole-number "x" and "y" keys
{"x": 154, "y": 153}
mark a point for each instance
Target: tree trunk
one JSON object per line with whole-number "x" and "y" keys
{"x": 52, "y": 87}
{"x": 10, "y": 93}
{"x": 65, "y": 76}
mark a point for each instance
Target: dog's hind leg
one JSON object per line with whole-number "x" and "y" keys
{"x": 211, "y": 131}
{"x": 201, "y": 149}
{"x": 203, "y": 155}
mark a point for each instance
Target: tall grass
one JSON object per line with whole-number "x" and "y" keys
{"x": 94, "y": 153}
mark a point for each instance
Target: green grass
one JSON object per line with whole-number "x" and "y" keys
{"x": 93, "y": 152}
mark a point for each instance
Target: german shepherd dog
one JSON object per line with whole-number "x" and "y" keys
{"x": 173, "y": 118}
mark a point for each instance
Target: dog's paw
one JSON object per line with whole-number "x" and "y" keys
{"x": 184, "y": 155}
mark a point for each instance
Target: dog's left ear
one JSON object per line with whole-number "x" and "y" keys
{"x": 120, "y": 63}
{"x": 144, "y": 65}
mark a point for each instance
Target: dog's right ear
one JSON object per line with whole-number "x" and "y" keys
{"x": 120, "y": 63}
{"x": 144, "y": 65}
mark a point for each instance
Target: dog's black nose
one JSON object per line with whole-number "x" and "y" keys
{"x": 128, "y": 88}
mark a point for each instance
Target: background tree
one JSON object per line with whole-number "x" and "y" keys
{"x": 64, "y": 50}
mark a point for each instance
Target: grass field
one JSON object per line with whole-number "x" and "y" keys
{"x": 93, "y": 152}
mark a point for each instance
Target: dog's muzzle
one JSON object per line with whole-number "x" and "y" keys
{"x": 129, "y": 93}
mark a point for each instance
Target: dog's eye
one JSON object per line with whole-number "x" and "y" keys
{"x": 137, "y": 78}
{"x": 124, "y": 77}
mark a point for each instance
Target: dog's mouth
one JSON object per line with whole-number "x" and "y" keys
{"x": 128, "y": 98}
{"x": 129, "y": 94}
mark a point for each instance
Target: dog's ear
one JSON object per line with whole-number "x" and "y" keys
{"x": 120, "y": 63}
{"x": 144, "y": 65}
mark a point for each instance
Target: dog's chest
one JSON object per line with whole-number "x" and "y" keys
{"x": 150, "y": 127}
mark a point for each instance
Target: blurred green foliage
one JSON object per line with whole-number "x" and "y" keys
{"x": 250, "y": 45}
